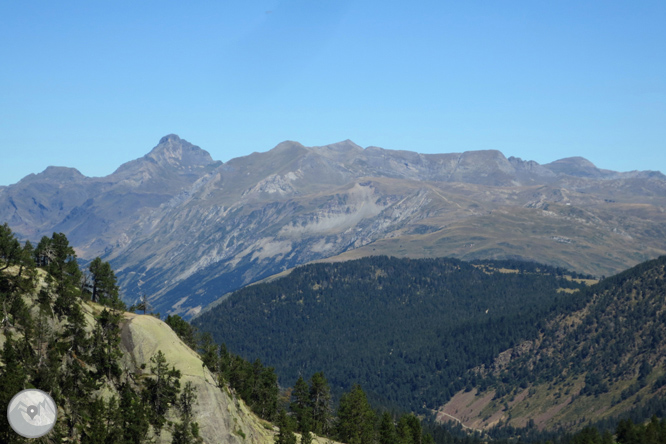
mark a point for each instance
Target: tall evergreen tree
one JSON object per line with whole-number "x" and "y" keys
{"x": 44, "y": 252}
{"x": 133, "y": 416}
{"x": 387, "y": 433}
{"x": 12, "y": 381}
{"x": 306, "y": 436}
{"x": 106, "y": 345}
{"x": 320, "y": 402}
{"x": 301, "y": 406}
{"x": 161, "y": 390}
{"x": 208, "y": 352}
{"x": 96, "y": 431}
{"x": 14, "y": 283}
{"x": 415, "y": 426}
{"x": 404, "y": 431}
{"x": 186, "y": 431}
{"x": 356, "y": 419}
{"x": 286, "y": 433}
{"x": 103, "y": 285}
{"x": 10, "y": 248}
{"x": 63, "y": 266}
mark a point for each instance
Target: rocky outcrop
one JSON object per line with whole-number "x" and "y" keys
{"x": 222, "y": 418}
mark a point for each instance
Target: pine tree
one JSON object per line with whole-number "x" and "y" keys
{"x": 183, "y": 329}
{"x": 208, "y": 352}
{"x": 63, "y": 266}
{"x": 44, "y": 252}
{"x": 300, "y": 405}
{"x": 404, "y": 431}
{"x": 356, "y": 419}
{"x": 306, "y": 436}
{"x": 96, "y": 430}
{"x": 387, "y": 433}
{"x": 104, "y": 288}
{"x": 10, "y": 248}
{"x": 415, "y": 426}
{"x": 12, "y": 378}
{"x": 132, "y": 416}
{"x": 186, "y": 431}
{"x": 106, "y": 345}
{"x": 113, "y": 422}
{"x": 161, "y": 390}
{"x": 286, "y": 433}
{"x": 15, "y": 282}
{"x": 320, "y": 402}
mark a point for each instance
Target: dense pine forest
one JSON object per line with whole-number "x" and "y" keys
{"x": 406, "y": 330}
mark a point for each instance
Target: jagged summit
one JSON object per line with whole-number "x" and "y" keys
{"x": 171, "y": 152}
{"x": 169, "y": 138}
{"x": 175, "y": 150}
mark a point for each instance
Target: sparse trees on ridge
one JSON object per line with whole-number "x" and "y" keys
{"x": 62, "y": 353}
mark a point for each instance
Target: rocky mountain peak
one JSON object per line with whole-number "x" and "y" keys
{"x": 340, "y": 152}
{"x": 57, "y": 174}
{"x": 287, "y": 145}
{"x": 169, "y": 138}
{"x": 172, "y": 153}
{"x": 179, "y": 153}
{"x": 577, "y": 166}
{"x": 345, "y": 145}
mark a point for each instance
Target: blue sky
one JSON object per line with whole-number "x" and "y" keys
{"x": 93, "y": 84}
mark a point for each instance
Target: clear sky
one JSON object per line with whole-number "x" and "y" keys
{"x": 93, "y": 84}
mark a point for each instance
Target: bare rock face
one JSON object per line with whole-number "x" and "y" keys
{"x": 184, "y": 229}
{"x": 221, "y": 417}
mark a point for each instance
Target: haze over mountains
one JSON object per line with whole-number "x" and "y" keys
{"x": 185, "y": 229}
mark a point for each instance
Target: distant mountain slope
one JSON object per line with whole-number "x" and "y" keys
{"x": 96, "y": 213}
{"x": 406, "y": 330}
{"x": 185, "y": 230}
{"x": 597, "y": 361}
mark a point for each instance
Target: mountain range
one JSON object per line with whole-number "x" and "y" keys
{"x": 185, "y": 230}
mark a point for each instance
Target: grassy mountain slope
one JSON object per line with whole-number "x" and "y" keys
{"x": 603, "y": 358}
{"x": 558, "y": 234}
